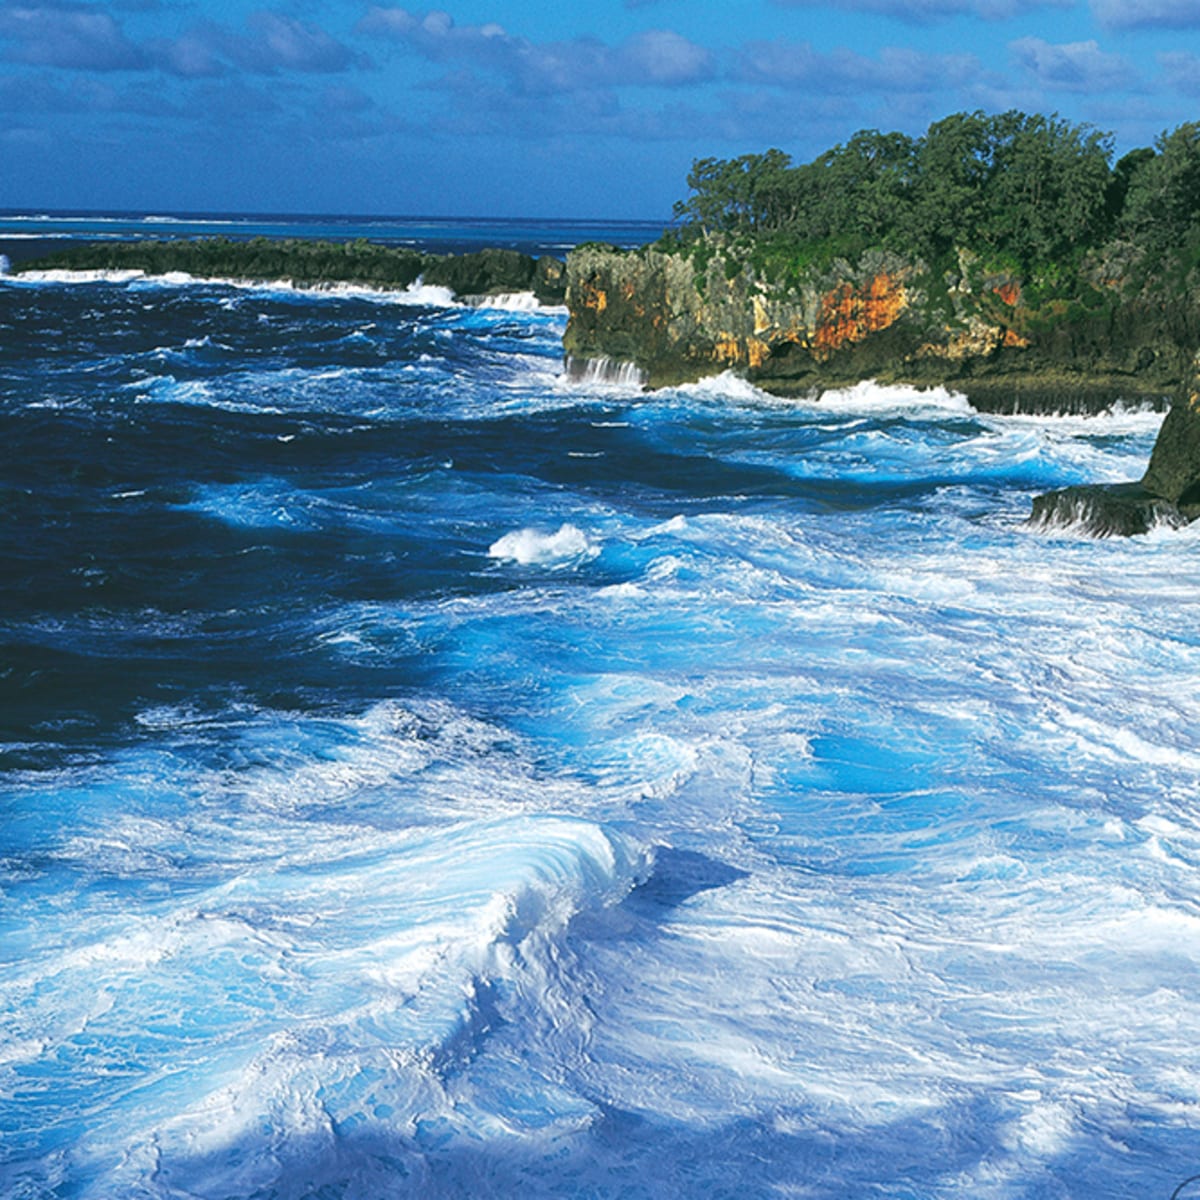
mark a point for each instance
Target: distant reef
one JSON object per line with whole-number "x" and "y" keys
{"x": 1002, "y": 256}
{"x": 308, "y": 263}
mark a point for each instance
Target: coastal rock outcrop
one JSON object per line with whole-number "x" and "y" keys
{"x": 1105, "y": 509}
{"x": 494, "y": 271}
{"x": 1168, "y": 493}
{"x": 1174, "y": 471}
{"x": 678, "y": 313}
{"x": 671, "y": 314}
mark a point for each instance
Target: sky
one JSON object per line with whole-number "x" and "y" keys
{"x": 532, "y": 108}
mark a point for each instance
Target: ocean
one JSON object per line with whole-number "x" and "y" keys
{"x": 423, "y": 775}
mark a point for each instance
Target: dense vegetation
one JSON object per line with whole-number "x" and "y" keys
{"x": 1024, "y": 191}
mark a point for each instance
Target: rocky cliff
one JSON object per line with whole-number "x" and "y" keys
{"x": 1082, "y": 343}
{"x": 681, "y": 312}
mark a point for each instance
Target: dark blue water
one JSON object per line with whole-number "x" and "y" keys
{"x": 25, "y": 235}
{"x": 424, "y": 776}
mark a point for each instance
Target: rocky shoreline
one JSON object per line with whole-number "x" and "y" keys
{"x": 668, "y": 316}
{"x": 471, "y": 276}
{"x": 1168, "y": 493}
{"x": 678, "y": 315}
{"x": 658, "y": 316}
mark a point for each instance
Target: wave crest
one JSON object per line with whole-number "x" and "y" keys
{"x": 531, "y": 547}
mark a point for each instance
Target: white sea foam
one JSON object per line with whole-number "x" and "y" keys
{"x": 606, "y": 372}
{"x": 1138, "y": 419}
{"x": 441, "y": 921}
{"x": 428, "y": 295}
{"x": 869, "y": 396}
{"x": 416, "y": 293}
{"x": 525, "y": 302}
{"x": 534, "y": 547}
{"x": 61, "y": 276}
{"x": 921, "y": 914}
{"x": 730, "y": 386}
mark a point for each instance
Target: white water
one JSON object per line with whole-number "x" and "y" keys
{"x": 528, "y": 546}
{"x": 590, "y": 792}
{"x": 591, "y": 371}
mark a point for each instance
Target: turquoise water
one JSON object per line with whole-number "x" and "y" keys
{"x": 424, "y": 776}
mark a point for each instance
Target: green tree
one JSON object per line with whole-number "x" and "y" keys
{"x": 1031, "y": 189}
{"x": 744, "y": 194}
{"x": 865, "y": 187}
{"x": 953, "y": 165}
{"x": 1162, "y": 205}
{"x": 1046, "y": 191}
{"x": 1122, "y": 176}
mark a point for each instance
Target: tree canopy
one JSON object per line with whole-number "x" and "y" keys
{"x": 1027, "y": 189}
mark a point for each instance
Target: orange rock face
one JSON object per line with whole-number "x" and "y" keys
{"x": 850, "y": 314}
{"x": 732, "y": 351}
{"x": 727, "y": 348}
{"x": 593, "y": 297}
{"x": 1010, "y": 293}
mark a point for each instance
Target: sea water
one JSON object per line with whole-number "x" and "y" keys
{"x": 425, "y": 774}
{"x": 25, "y": 235}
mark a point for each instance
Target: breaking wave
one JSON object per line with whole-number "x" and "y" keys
{"x": 426, "y": 776}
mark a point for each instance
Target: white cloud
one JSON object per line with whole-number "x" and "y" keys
{"x": 656, "y": 57}
{"x": 797, "y": 64}
{"x": 1072, "y": 66}
{"x": 73, "y": 36}
{"x": 282, "y": 43}
{"x": 1182, "y": 70}
{"x": 926, "y": 11}
{"x": 84, "y": 38}
{"x": 1147, "y": 14}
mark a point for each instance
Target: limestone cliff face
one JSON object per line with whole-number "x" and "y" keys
{"x": 681, "y": 313}
{"x": 678, "y": 321}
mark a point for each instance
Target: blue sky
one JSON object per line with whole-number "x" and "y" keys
{"x": 532, "y": 107}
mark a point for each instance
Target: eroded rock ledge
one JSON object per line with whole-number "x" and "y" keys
{"x": 679, "y": 314}
{"x": 1168, "y": 494}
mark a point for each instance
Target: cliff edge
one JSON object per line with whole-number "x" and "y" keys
{"x": 673, "y": 315}
{"x": 678, "y": 314}
{"x": 1003, "y": 255}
